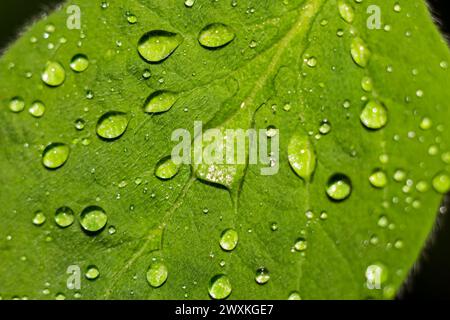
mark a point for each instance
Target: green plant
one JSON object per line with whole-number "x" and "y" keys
{"x": 87, "y": 117}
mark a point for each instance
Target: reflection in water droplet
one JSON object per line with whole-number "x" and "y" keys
{"x": 219, "y": 287}
{"x": 53, "y": 74}
{"x": 79, "y": 63}
{"x": 374, "y": 115}
{"x": 262, "y": 276}
{"x": 339, "y": 187}
{"x": 160, "y": 101}
{"x": 229, "y": 240}
{"x": 92, "y": 273}
{"x": 441, "y": 182}
{"x": 216, "y": 35}
{"x": 302, "y": 156}
{"x": 55, "y": 155}
{"x": 360, "y": 52}
{"x": 39, "y": 218}
{"x": 158, "y": 45}
{"x": 16, "y": 104}
{"x": 378, "y": 179}
{"x": 166, "y": 169}
{"x": 37, "y": 109}
{"x": 157, "y": 274}
{"x": 112, "y": 125}
{"x": 93, "y": 219}
{"x": 64, "y": 217}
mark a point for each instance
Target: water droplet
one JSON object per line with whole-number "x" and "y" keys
{"x": 216, "y": 35}
{"x": 39, "y": 218}
{"x": 112, "y": 230}
{"x": 346, "y": 11}
{"x": 367, "y": 84}
{"x": 219, "y": 287}
{"x": 426, "y": 123}
{"x": 399, "y": 175}
{"x": 92, "y": 273}
{"x": 360, "y": 52}
{"x": 229, "y": 239}
{"x": 189, "y": 3}
{"x": 131, "y": 18}
{"x": 158, "y": 45}
{"x": 302, "y": 156}
{"x": 397, "y": 7}
{"x": 339, "y": 187}
{"x": 93, "y": 219}
{"x": 301, "y": 244}
{"x": 166, "y": 169}
{"x": 16, "y": 104}
{"x": 378, "y": 179}
{"x": 55, "y": 155}
{"x": 311, "y": 62}
{"x": 325, "y": 127}
{"x": 262, "y": 276}
{"x": 376, "y": 274}
{"x": 383, "y": 222}
{"x": 79, "y": 63}
{"x": 160, "y": 101}
{"x": 294, "y": 296}
{"x": 64, "y": 217}
{"x": 37, "y": 109}
{"x": 157, "y": 274}
{"x": 441, "y": 182}
{"x": 53, "y": 74}
{"x": 112, "y": 125}
{"x": 374, "y": 115}
{"x": 79, "y": 124}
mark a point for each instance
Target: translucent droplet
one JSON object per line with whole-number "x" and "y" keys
{"x": 16, "y": 104}
{"x": 112, "y": 125}
{"x": 397, "y": 7}
{"x": 157, "y": 274}
{"x": 92, "y": 273}
{"x": 93, "y": 219}
{"x": 219, "y": 287}
{"x": 339, "y": 187}
{"x": 346, "y": 11}
{"x": 302, "y": 156}
{"x": 189, "y": 3}
{"x": 378, "y": 179}
{"x": 294, "y": 296}
{"x": 301, "y": 244}
{"x": 383, "y": 222}
{"x": 374, "y": 115}
{"x": 367, "y": 84}
{"x": 229, "y": 239}
{"x": 158, "y": 45}
{"x": 160, "y": 101}
{"x": 79, "y": 63}
{"x": 399, "y": 175}
{"x": 360, "y": 52}
{"x": 376, "y": 274}
{"x": 79, "y": 124}
{"x": 37, "y": 109}
{"x": 60, "y": 296}
{"x": 325, "y": 127}
{"x": 426, "y": 123}
{"x": 311, "y": 62}
{"x": 441, "y": 182}
{"x": 112, "y": 230}
{"x": 39, "y": 218}
{"x": 166, "y": 169}
{"x": 55, "y": 155}
{"x": 53, "y": 74}
{"x": 131, "y": 18}
{"x": 216, "y": 35}
{"x": 64, "y": 217}
{"x": 262, "y": 276}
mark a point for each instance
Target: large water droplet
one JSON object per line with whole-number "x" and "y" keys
{"x": 16, "y": 104}
{"x": 160, "y": 101}
{"x": 166, "y": 169}
{"x": 79, "y": 63}
{"x": 157, "y": 274}
{"x": 339, "y": 187}
{"x": 93, "y": 219}
{"x": 229, "y": 239}
{"x": 346, "y": 11}
{"x": 374, "y": 115}
{"x": 360, "y": 52}
{"x": 55, "y": 155}
{"x": 216, "y": 35}
{"x": 53, "y": 74}
{"x": 441, "y": 182}
{"x": 302, "y": 156}
{"x": 64, "y": 217}
{"x": 262, "y": 276}
{"x": 219, "y": 287}
{"x": 112, "y": 125}
{"x": 158, "y": 45}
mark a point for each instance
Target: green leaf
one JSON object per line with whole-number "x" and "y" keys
{"x": 87, "y": 118}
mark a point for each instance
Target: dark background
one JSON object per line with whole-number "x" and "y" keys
{"x": 431, "y": 276}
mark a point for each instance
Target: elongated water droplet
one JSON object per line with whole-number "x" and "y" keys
{"x": 16, "y": 104}
{"x": 229, "y": 239}
{"x": 92, "y": 272}
{"x": 441, "y": 182}
{"x": 93, "y": 219}
{"x": 346, "y": 11}
{"x": 166, "y": 169}
{"x": 216, "y": 35}
{"x": 157, "y": 274}
{"x": 160, "y": 101}
{"x": 53, "y": 74}
{"x": 339, "y": 187}
{"x": 79, "y": 63}
{"x": 302, "y": 156}
{"x": 360, "y": 52}
{"x": 55, "y": 155}
{"x": 112, "y": 125}
{"x": 37, "y": 109}
{"x": 158, "y": 45}
{"x": 39, "y": 218}
{"x": 378, "y": 179}
{"x": 376, "y": 274}
{"x": 374, "y": 115}
{"x": 262, "y": 276}
{"x": 64, "y": 217}
{"x": 219, "y": 287}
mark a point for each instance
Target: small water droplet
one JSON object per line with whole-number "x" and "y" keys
{"x": 112, "y": 125}
{"x": 219, "y": 287}
{"x": 79, "y": 63}
{"x": 216, "y": 35}
{"x": 92, "y": 272}
{"x": 53, "y": 74}
{"x": 37, "y": 109}
{"x": 294, "y": 296}
{"x": 325, "y": 127}
{"x": 301, "y": 244}
{"x": 39, "y": 218}
{"x": 229, "y": 239}
{"x": 55, "y": 155}
{"x": 166, "y": 169}
{"x": 426, "y": 123}
{"x": 374, "y": 115}
{"x": 157, "y": 274}
{"x": 441, "y": 182}
{"x": 262, "y": 276}
{"x": 339, "y": 187}
{"x": 131, "y": 18}
{"x": 367, "y": 84}
{"x": 160, "y": 101}
{"x": 376, "y": 274}
{"x": 64, "y": 217}
{"x": 189, "y": 3}
{"x": 378, "y": 179}
{"x": 93, "y": 219}
{"x": 158, "y": 45}
{"x": 80, "y": 124}
{"x": 16, "y": 104}
{"x": 302, "y": 156}
{"x": 360, "y": 52}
